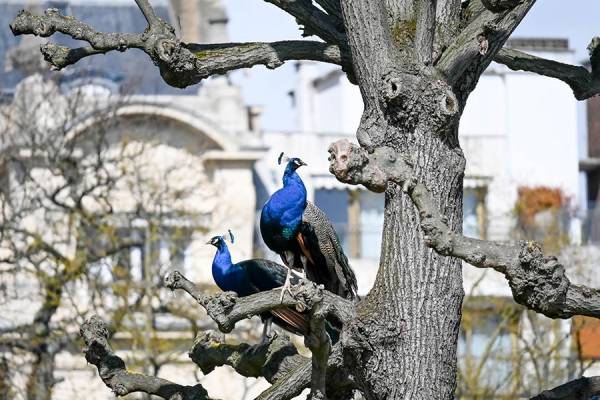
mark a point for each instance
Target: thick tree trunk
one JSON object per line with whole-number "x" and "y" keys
{"x": 406, "y": 331}
{"x": 410, "y": 320}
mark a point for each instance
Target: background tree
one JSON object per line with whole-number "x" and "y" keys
{"x": 80, "y": 195}
{"x": 416, "y": 62}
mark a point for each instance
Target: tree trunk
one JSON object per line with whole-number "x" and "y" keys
{"x": 41, "y": 380}
{"x": 410, "y": 320}
{"x": 407, "y": 327}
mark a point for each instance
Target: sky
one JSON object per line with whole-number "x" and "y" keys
{"x": 256, "y": 20}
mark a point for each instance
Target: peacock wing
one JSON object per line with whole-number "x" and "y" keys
{"x": 329, "y": 265}
{"x": 266, "y": 274}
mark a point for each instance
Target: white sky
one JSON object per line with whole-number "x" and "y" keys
{"x": 256, "y": 20}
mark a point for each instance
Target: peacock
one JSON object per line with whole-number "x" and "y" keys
{"x": 254, "y": 276}
{"x": 303, "y": 236}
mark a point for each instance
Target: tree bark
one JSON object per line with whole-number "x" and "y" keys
{"x": 409, "y": 323}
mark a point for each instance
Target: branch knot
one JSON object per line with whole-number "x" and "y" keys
{"x": 539, "y": 282}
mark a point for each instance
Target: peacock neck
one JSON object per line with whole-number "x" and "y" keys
{"x": 229, "y": 276}
{"x": 293, "y": 182}
{"x": 222, "y": 260}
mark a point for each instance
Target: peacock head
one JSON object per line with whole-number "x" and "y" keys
{"x": 219, "y": 241}
{"x": 292, "y": 163}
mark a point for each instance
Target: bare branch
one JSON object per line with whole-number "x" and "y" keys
{"x": 226, "y": 308}
{"x": 538, "y": 282}
{"x": 280, "y": 364}
{"x": 272, "y": 362}
{"x": 584, "y": 84}
{"x": 580, "y": 389}
{"x": 59, "y": 58}
{"x": 319, "y": 344}
{"x": 425, "y": 31}
{"x": 181, "y": 64}
{"x": 148, "y": 12}
{"x": 476, "y": 46}
{"x": 315, "y": 21}
{"x": 500, "y": 5}
{"x": 333, "y": 9}
{"x": 112, "y": 370}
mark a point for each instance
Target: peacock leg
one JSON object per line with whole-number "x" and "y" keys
{"x": 304, "y": 262}
{"x": 287, "y": 286}
{"x": 265, "y": 337}
{"x": 266, "y": 330}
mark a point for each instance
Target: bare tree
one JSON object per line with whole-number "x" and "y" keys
{"x": 80, "y": 194}
{"x": 415, "y": 62}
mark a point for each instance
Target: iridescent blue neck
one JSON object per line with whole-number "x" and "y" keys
{"x": 222, "y": 260}
{"x": 291, "y": 179}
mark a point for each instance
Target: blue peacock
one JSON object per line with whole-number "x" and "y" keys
{"x": 254, "y": 276}
{"x": 303, "y": 236}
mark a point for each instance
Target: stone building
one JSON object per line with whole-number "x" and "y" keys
{"x": 199, "y": 149}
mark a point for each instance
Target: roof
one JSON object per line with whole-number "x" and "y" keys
{"x": 539, "y": 44}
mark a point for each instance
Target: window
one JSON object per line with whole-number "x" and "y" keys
{"x": 372, "y": 207}
{"x": 334, "y": 203}
{"x": 474, "y": 212}
{"x": 486, "y": 347}
{"x": 357, "y": 217}
{"x": 150, "y": 250}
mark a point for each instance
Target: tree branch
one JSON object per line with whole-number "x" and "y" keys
{"x": 272, "y": 362}
{"x": 425, "y": 31}
{"x": 584, "y": 84}
{"x": 580, "y": 389}
{"x": 478, "y": 43}
{"x": 319, "y": 343}
{"x": 280, "y": 364}
{"x": 333, "y": 9}
{"x": 537, "y": 282}
{"x": 226, "y": 308}
{"x": 180, "y": 64}
{"x": 112, "y": 370}
{"x": 148, "y": 11}
{"x": 315, "y": 21}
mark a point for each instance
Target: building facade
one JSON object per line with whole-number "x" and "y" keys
{"x": 182, "y": 163}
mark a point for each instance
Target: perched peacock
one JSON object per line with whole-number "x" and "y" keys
{"x": 303, "y": 236}
{"x": 254, "y": 276}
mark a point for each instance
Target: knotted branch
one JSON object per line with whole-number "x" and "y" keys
{"x": 538, "y": 282}
{"x": 180, "y": 64}
{"x": 226, "y": 309}
{"x": 114, "y": 374}
{"x": 476, "y": 46}
{"x": 272, "y": 362}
